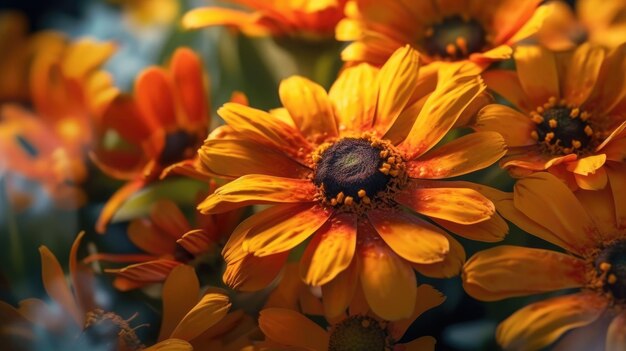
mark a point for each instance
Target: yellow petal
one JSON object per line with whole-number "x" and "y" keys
{"x": 258, "y": 189}
{"x": 539, "y": 324}
{"x": 616, "y": 336}
{"x": 292, "y": 329}
{"x": 409, "y": 236}
{"x": 427, "y": 298}
{"x": 449, "y": 267}
{"x": 253, "y": 273}
{"x": 514, "y": 127}
{"x": 587, "y": 165}
{"x": 534, "y": 23}
{"x": 217, "y": 16}
{"x": 56, "y": 286}
{"x": 171, "y": 345}
{"x": 507, "y": 84}
{"x": 337, "y": 294}
{"x": 582, "y": 73}
{"x": 330, "y": 251}
{"x": 494, "y": 274}
{"x": 592, "y": 181}
{"x": 354, "y": 97}
{"x": 181, "y": 291}
{"x": 537, "y": 71}
{"x": 309, "y": 106}
{"x": 210, "y": 310}
{"x": 492, "y": 230}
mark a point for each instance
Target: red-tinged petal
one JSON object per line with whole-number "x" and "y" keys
{"x": 56, "y": 286}
{"x": 292, "y": 329}
{"x": 494, "y": 274}
{"x": 353, "y": 97}
{"x": 616, "y": 336}
{"x": 464, "y": 155}
{"x": 533, "y": 159}
{"x": 330, "y": 251}
{"x": 537, "y": 71}
{"x": 155, "y": 97}
{"x": 449, "y": 267}
{"x": 538, "y": 325}
{"x": 337, "y": 293}
{"x": 309, "y": 106}
{"x": 510, "y": 16}
{"x": 191, "y": 89}
{"x": 286, "y": 232}
{"x": 196, "y": 242}
{"x": 388, "y": 282}
{"x": 410, "y": 237}
{"x": 150, "y": 238}
{"x": 123, "y": 116}
{"x": 211, "y": 309}
{"x": 258, "y": 189}
{"x": 114, "y": 203}
{"x": 146, "y": 272}
{"x": 181, "y": 291}
{"x": 514, "y": 126}
{"x": 533, "y": 23}
{"x": 253, "y": 273}
{"x": 166, "y": 215}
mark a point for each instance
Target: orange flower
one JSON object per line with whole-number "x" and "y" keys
{"x": 601, "y": 22}
{"x": 359, "y": 330}
{"x": 441, "y": 30}
{"x": 340, "y": 168}
{"x": 202, "y": 323}
{"x": 168, "y": 240}
{"x": 571, "y": 114}
{"x": 162, "y": 125}
{"x": 72, "y": 319}
{"x": 312, "y": 19}
{"x": 590, "y": 228}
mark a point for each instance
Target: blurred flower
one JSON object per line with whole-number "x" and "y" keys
{"x": 597, "y": 21}
{"x": 315, "y": 19}
{"x": 204, "y": 323}
{"x": 590, "y": 228}
{"x": 360, "y": 329}
{"x": 161, "y": 126}
{"x": 68, "y": 92}
{"x": 72, "y": 320}
{"x": 168, "y": 240}
{"x": 150, "y": 11}
{"x": 443, "y": 30}
{"x": 339, "y": 167}
{"x": 571, "y": 116}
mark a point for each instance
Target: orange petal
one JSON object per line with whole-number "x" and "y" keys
{"x": 534, "y": 22}
{"x": 494, "y": 274}
{"x": 592, "y": 181}
{"x": 492, "y": 230}
{"x": 424, "y": 343}
{"x": 149, "y": 238}
{"x": 353, "y": 97}
{"x": 506, "y": 83}
{"x": 616, "y": 336}
{"x": 171, "y": 345}
{"x": 236, "y": 158}
{"x": 258, "y": 189}
{"x": 146, "y": 272}
{"x": 196, "y": 242}
{"x": 287, "y": 232}
{"x": 582, "y": 73}
{"x": 181, "y": 291}
{"x": 309, "y": 106}
{"x": 409, "y": 236}
{"x": 123, "y": 116}
{"x": 427, "y": 298}
{"x": 337, "y": 293}
{"x": 114, "y": 203}
{"x": 459, "y": 205}
{"x": 397, "y": 80}
{"x": 187, "y": 76}
{"x": 537, "y": 71}
{"x": 442, "y": 109}
{"x": 167, "y": 216}
{"x": 86, "y": 55}
{"x": 549, "y": 202}
{"x": 82, "y": 278}
{"x": 449, "y": 267}
{"x": 56, "y": 286}
{"x": 538, "y": 325}
{"x": 499, "y": 53}
{"x": 253, "y": 273}
{"x": 388, "y": 282}
{"x": 211, "y": 309}
{"x": 292, "y": 329}
{"x": 514, "y": 127}
{"x": 464, "y": 155}
{"x": 155, "y": 97}
{"x": 216, "y": 16}
{"x": 330, "y": 251}
{"x": 617, "y": 179}
{"x": 587, "y": 165}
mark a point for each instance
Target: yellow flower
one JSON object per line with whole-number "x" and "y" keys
{"x": 150, "y": 11}
{"x": 312, "y": 19}
{"x": 590, "y": 228}
{"x": 570, "y": 114}
{"x": 441, "y": 30}
{"x": 601, "y": 22}
{"x": 340, "y": 168}
{"x": 360, "y": 329}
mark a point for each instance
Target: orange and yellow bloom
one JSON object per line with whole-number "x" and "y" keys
{"x": 339, "y": 168}
{"x": 589, "y": 226}
{"x": 568, "y": 117}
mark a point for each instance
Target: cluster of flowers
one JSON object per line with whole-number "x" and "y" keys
{"x": 353, "y": 189}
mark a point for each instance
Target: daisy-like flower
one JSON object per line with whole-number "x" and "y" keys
{"x": 360, "y": 329}
{"x": 441, "y": 30}
{"x": 162, "y": 125}
{"x": 311, "y": 19}
{"x": 192, "y": 320}
{"x": 590, "y": 228}
{"x": 340, "y": 168}
{"x": 569, "y": 117}
{"x": 168, "y": 240}
{"x": 601, "y": 22}
{"x": 72, "y": 319}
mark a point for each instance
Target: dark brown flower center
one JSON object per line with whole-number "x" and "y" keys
{"x": 359, "y": 333}
{"x": 562, "y": 129}
{"x": 179, "y": 145}
{"x": 455, "y": 38}
{"x": 611, "y": 266}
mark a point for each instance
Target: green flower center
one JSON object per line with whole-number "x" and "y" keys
{"x": 611, "y": 265}
{"x": 179, "y": 145}
{"x": 359, "y": 333}
{"x": 455, "y": 38}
